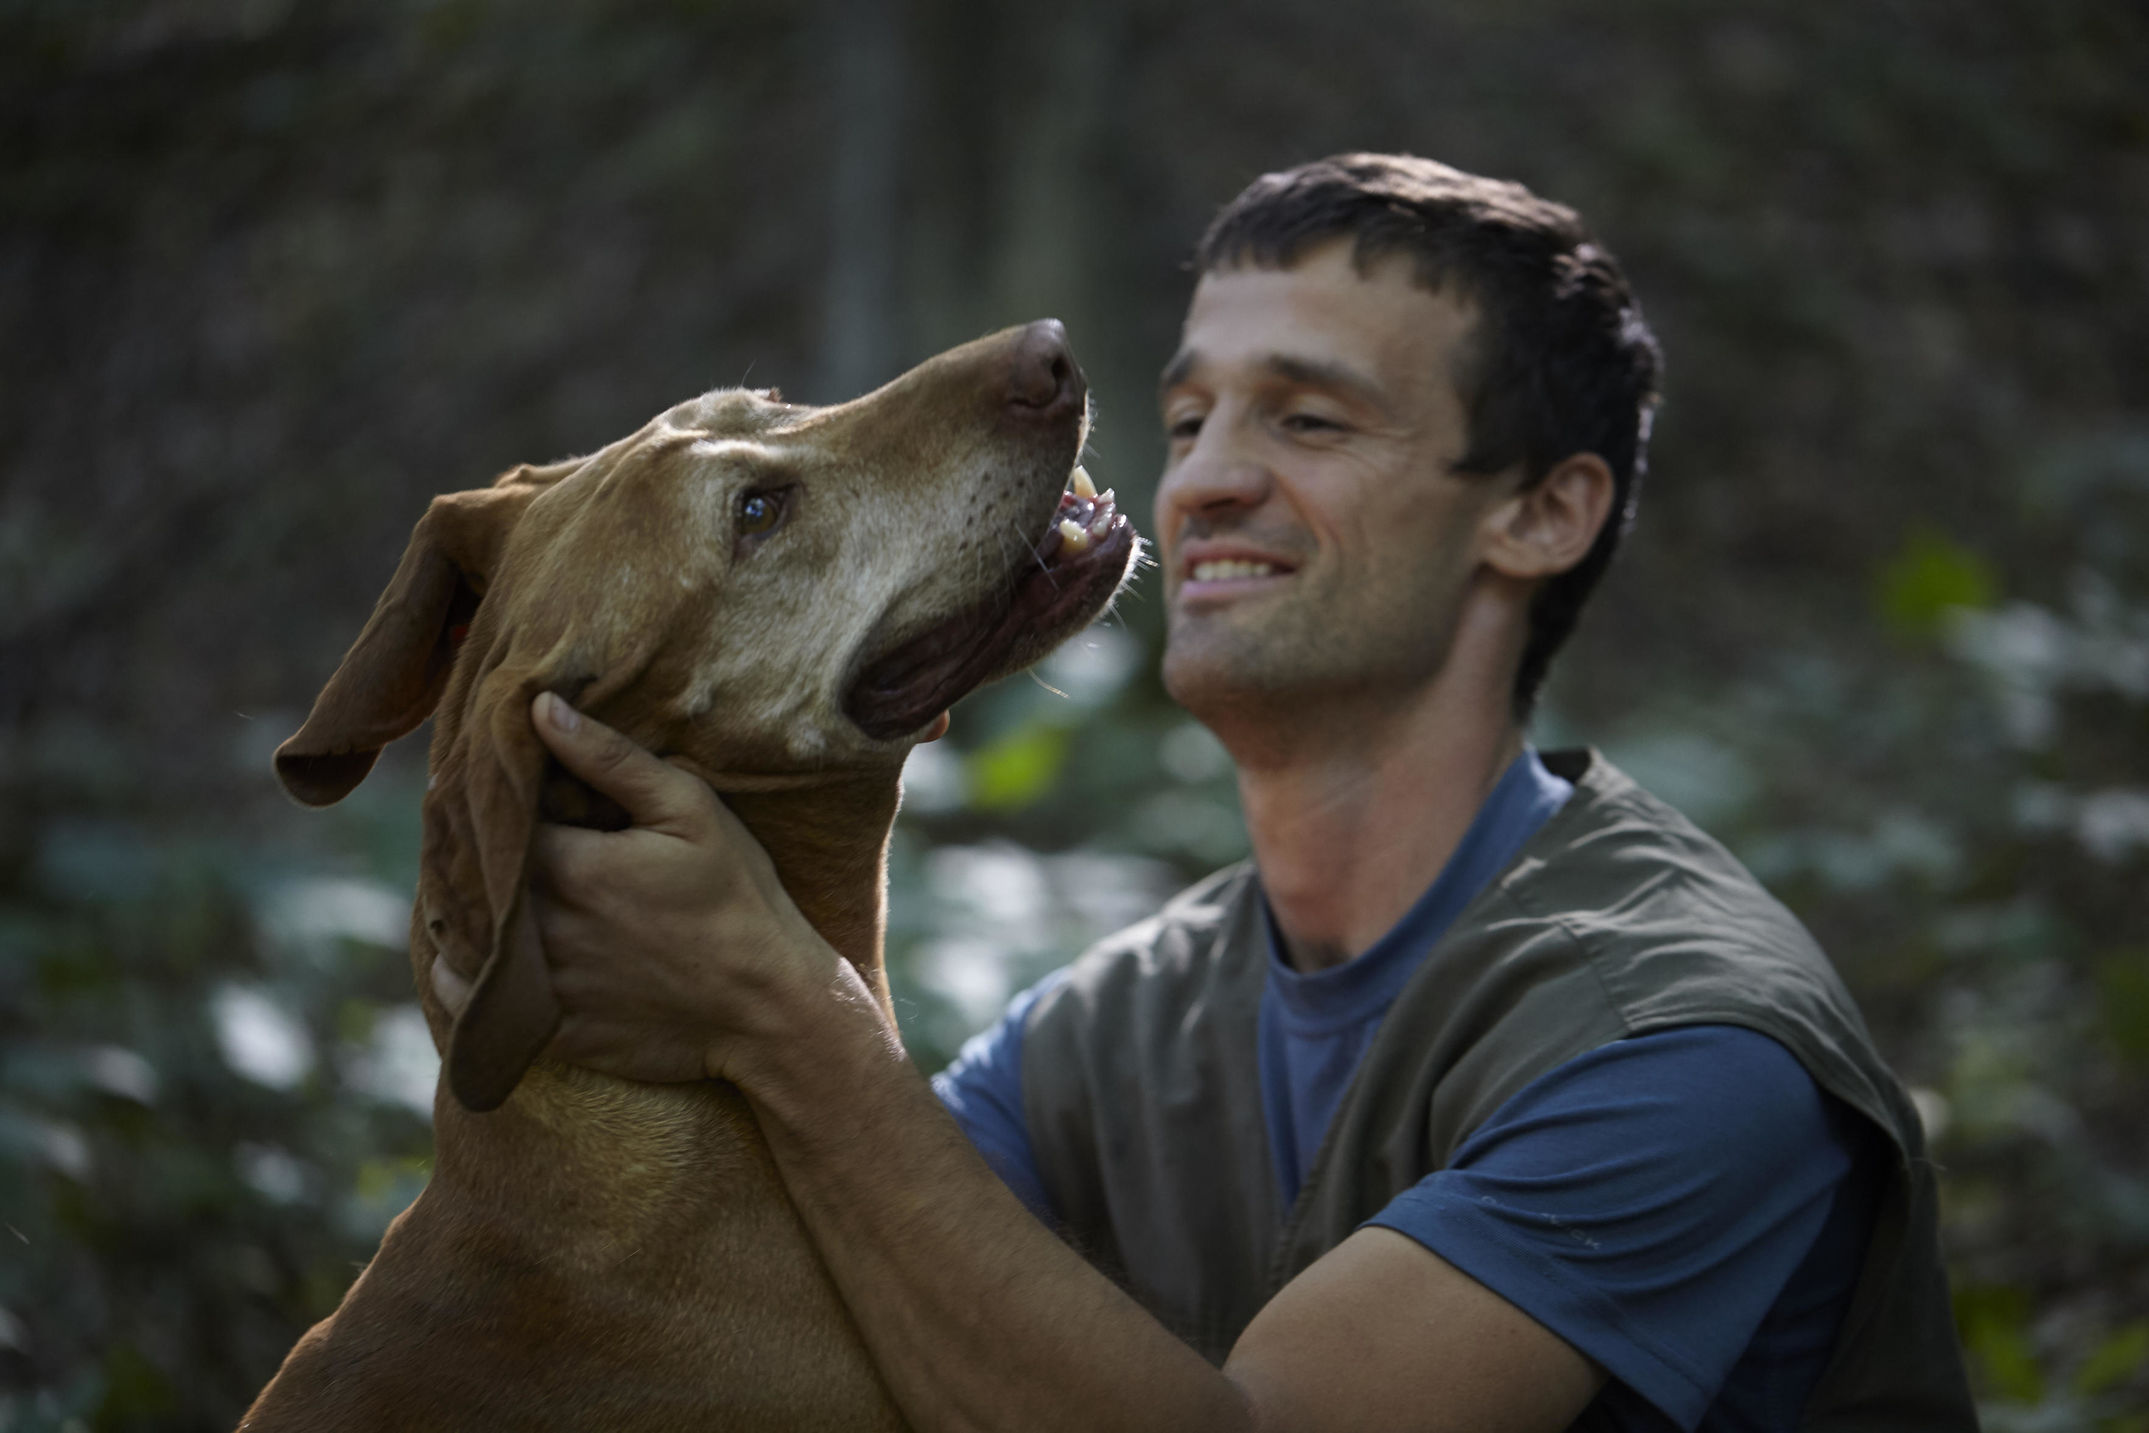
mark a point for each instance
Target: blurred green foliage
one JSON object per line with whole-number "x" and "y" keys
{"x": 1930, "y": 579}
{"x": 274, "y": 273}
{"x": 1018, "y": 768}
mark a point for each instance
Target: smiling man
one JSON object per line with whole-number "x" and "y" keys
{"x": 1490, "y": 1094}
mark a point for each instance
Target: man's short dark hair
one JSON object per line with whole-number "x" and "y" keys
{"x": 1561, "y": 361}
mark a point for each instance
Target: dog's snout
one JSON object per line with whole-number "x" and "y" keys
{"x": 1042, "y": 377}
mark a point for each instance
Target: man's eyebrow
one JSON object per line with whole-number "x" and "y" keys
{"x": 1310, "y": 372}
{"x": 1319, "y": 373}
{"x": 1176, "y": 371}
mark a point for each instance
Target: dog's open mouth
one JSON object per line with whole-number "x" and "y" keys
{"x": 1079, "y": 562}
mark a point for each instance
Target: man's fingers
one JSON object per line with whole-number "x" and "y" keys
{"x": 580, "y": 865}
{"x": 566, "y": 848}
{"x": 654, "y": 792}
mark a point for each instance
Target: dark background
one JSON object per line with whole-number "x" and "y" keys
{"x": 273, "y": 273}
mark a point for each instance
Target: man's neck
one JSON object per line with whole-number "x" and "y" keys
{"x": 1356, "y": 812}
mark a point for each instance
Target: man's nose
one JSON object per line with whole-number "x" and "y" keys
{"x": 1216, "y": 472}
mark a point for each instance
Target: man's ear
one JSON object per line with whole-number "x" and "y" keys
{"x": 1548, "y": 527}
{"x": 393, "y": 676}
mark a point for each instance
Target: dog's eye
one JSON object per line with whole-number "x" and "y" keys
{"x": 759, "y": 512}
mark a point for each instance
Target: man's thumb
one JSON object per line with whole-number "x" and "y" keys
{"x": 607, "y": 760}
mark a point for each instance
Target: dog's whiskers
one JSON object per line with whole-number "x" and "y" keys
{"x": 1035, "y": 556}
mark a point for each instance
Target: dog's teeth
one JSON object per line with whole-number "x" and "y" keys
{"x": 1083, "y": 487}
{"x": 1104, "y": 499}
{"x": 1074, "y": 535}
{"x": 1101, "y": 523}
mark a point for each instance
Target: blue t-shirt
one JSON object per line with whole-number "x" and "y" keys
{"x": 1685, "y": 1207}
{"x": 1316, "y": 1027}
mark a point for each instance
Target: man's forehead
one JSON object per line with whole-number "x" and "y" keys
{"x": 1319, "y": 318}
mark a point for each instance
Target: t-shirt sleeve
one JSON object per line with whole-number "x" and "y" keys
{"x": 982, "y": 1088}
{"x": 1647, "y": 1202}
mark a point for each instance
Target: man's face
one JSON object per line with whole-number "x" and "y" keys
{"x": 1314, "y": 541}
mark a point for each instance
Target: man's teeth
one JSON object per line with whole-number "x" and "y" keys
{"x": 1083, "y": 487}
{"x": 1073, "y": 535}
{"x": 1224, "y": 571}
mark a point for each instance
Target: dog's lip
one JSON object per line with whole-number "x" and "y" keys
{"x": 902, "y": 690}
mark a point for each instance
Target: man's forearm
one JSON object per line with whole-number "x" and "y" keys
{"x": 977, "y": 1315}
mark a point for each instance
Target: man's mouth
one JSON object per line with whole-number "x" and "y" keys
{"x": 1223, "y": 575}
{"x": 1226, "y": 570}
{"x": 1071, "y": 572}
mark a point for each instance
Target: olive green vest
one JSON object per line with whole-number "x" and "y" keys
{"x": 1142, "y": 1095}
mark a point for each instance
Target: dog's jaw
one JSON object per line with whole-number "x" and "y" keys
{"x": 1066, "y": 576}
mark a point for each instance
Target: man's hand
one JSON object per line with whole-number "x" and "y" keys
{"x": 672, "y": 944}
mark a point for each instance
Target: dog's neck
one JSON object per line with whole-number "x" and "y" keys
{"x": 547, "y": 1162}
{"x": 829, "y": 844}
{"x": 827, "y": 836}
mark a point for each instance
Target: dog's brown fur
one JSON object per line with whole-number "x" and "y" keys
{"x": 590, "y": 1253}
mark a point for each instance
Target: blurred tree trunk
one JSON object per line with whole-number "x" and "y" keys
{"x": 866, "y": 65}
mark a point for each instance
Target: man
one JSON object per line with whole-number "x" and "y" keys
{"x": 1490, "y": 1095}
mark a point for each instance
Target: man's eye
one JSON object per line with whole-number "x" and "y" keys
{"x": 1310, "y": 423}
{"x": 1185, "y": 428}
{"x": 759, "y": 512}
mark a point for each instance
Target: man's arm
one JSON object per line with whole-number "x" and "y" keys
{"x": 673, "y": 937}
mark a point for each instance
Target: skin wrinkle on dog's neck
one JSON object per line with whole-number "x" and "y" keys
{"x": 545, "y": 1171}
{"x": 829, "y": 849}
{"x": 826, "y": 834}
{"x": 582, "y": 1171}
{"x": 829, "y": 845}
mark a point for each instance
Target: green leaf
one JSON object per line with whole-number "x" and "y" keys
{"x": 2123, "y": 999}
{"x": 1994, "y": 1321}
{"x": 135, "y": 1389}
{"x": 1931, "y": 576}
{"x": 2119, "y": 1358}
{"x": 1018, "y": 768}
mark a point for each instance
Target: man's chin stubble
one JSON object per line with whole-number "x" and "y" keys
{"x": 1235, "y": 678}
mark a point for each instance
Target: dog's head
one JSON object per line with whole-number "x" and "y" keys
{"x": 768, "y": 594}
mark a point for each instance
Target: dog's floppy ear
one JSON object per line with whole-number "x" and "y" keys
{"x": 511, "y": 1014}
{"x": 393, "y": 676}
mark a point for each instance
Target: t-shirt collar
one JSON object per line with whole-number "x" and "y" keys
{"x": 1523, "y": 799}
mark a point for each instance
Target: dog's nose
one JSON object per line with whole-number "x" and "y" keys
{"x": 1042, "y": 377}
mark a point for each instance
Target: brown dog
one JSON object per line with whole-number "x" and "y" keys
{"x": 783, "y": 600}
